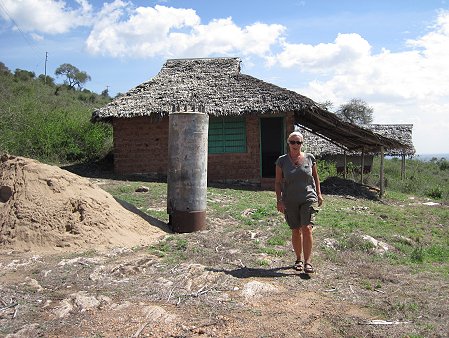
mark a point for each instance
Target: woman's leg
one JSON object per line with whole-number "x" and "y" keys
{"x": 297, "y": 242}
{"x": 307, "y": 242}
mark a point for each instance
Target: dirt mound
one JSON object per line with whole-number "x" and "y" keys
{"x": 45, "y": 208}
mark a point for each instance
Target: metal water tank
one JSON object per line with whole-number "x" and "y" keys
{"x": 187, "y": 171}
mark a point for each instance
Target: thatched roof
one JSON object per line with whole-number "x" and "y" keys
{"x": 215, "y": 86}
{"x": 400, "y": 132}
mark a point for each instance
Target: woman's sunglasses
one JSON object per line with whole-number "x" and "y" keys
{"x": 295, "y": 142}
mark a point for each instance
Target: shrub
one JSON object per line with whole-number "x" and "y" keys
{"x": 38, "y": 124}
{"x": 443, "y": 164}
{"x": 435, "y": 192}
{"x": 417, "y": 255}
{"x": 427, "y": 179}
{"x": 326, "y": 169}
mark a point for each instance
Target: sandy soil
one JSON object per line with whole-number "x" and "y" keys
{"x": 47, "y": 209}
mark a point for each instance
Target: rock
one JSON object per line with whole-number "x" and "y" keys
{"x": 256, "y": 289}
{"x": 142, "y": 189}
{"x": 330, "y": 243}
{"x": 34, "y": 284}
{"x": 27, "y": 331}
{"x": 85, "y": 302}
{"x": 378, "y": 246}
{"x": 5, "y": 193}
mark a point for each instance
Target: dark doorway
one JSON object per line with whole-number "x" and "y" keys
{"x": 271, "y": 143}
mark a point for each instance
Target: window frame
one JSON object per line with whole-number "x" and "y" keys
{"x": 227, "y": 135}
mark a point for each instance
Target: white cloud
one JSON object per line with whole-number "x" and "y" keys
{"x": 45, "y": 16}
{"x": 410, "y": 86}
{"x": 37, "y": 37}
{"x": 349, "y": 68}
{"x": 119, "y": 29}
{"x": 144, "y": 33}
{"x": 167, "y": 31}
{"x": 325, "y": 57}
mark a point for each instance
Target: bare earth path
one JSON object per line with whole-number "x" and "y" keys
{"x": 126, "y": 293}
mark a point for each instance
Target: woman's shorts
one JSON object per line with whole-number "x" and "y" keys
{"x": 302, "y": 215}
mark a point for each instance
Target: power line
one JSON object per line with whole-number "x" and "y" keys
{"x": 3, "y": 8}
{"x": 31, "y": 43}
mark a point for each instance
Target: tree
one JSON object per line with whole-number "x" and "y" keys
{"x": 24, "y": 75}
{"x": 74, "y": 77}
{"x": 48, "y": 80}
{"x": 356, "y": 111}
{"x": 327, "y": 105}
{"x": 4, "y": 69}
{"x": 105, "y": 93}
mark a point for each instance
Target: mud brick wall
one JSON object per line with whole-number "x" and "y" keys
{"x": 141, "y": 147}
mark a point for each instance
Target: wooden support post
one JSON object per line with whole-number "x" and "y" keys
{"x": 403, "y": 167}
{"x": 345, "y": 173}
{"x": 382, "y": 183}
{"x": 362, "y": 165}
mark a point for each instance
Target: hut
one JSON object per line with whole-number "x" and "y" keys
{"x": 249, "y": 120}
{"x": 331, "y": 152}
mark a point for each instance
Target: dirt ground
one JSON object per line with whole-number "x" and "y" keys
{"x": 121, "y": 289}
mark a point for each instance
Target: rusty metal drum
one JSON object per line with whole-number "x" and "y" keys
{"x": 187, "y": 171}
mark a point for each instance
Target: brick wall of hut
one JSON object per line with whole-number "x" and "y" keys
{"x": 141, "y": 147}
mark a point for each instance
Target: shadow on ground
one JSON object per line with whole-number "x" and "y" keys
{"x": 246, "y": 272}
{"x": 150, "y": 219}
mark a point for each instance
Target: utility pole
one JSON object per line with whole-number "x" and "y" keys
{"x": 45, "y": 71}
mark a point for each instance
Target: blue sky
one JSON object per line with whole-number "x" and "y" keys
{"x": 392, "y": 54}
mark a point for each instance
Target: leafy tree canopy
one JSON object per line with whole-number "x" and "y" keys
{"x": 4, "y": 69}
{"x": 356, "y": 111}
{"x": 47, "y": 80}
{"x": 24, "y": 75}
{"x": 73, "y": 76}
{"x": 328, "y": 105}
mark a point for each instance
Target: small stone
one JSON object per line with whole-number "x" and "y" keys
{"x": 142, "y": 189}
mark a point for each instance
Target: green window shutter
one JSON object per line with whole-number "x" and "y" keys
{"x": 227, "y": 135}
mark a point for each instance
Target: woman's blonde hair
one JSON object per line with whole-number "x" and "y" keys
{"x": 295, "y": 133}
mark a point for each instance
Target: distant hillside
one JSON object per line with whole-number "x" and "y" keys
{"x": 429, "y": 157}
{"x": 50, "y": 122}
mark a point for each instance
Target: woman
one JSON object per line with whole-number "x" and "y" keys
{"x": 298, "y": 192}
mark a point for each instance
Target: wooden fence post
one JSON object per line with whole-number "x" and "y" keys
{"x": 382, "y": 183}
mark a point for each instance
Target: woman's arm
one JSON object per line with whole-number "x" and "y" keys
{"x": 278, "y": 189}
{"x": 316, "y": 178}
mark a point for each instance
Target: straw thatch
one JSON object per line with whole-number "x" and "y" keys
{"x": 400, "y": 132}
{"x": 215, "y": 86}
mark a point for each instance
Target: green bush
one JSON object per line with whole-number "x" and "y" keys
{"x": 326, "y": 169}
{"x": 435, "y": 192}
{"x": 48, "y": 125}
{"x": 443, "y": 164}
{"x": 426, "y": 179}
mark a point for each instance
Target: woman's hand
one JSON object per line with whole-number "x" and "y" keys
{"x": 320, "y": 200}
{"x": 280, "y": 206}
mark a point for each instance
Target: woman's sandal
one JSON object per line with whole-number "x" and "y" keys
{"x": 308, "y": 268}
{"x": 298, "y": 266}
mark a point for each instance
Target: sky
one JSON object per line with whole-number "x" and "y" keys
{"x": 393, "y": 54}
